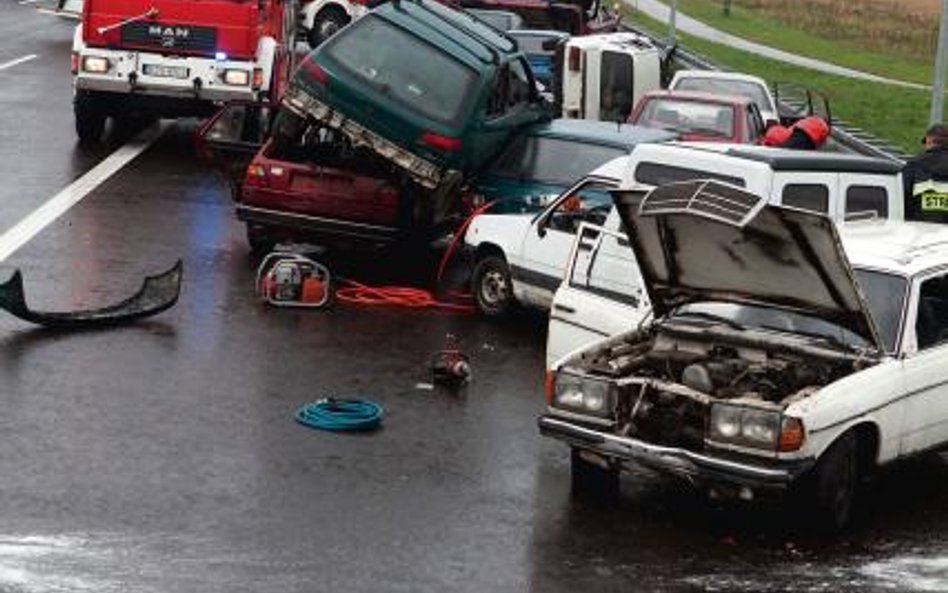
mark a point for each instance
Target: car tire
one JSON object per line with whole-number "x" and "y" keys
{"x": 90, "y": 118}
{"x": 490, "y": 283}
{"x": 260, "y": 239}
{"x": 836, "y": 481}
{"x": 325, "y": 26}
{"x": 589, "y": 480}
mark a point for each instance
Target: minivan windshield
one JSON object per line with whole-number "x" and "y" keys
{"x": 403, "y": 67}
{"x": 885, "y": 296}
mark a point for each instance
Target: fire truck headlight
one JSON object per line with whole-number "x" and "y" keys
{"x": 95, "y": 64}
{"x": 235, "y": 77}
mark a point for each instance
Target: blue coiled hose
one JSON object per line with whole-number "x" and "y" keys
{"x": 340, "y": 415}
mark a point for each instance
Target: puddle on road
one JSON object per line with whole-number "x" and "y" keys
{"x": 911, "y": 573}
{"x": 113, "y": 563}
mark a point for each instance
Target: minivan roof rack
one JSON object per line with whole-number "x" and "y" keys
{"x": 487, "y": 42}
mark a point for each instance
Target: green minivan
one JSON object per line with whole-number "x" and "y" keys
{"x": 434, "y": 90}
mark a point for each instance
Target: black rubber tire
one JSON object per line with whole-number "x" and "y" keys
{"x": 836, "y": 479}
{"x": 260, "y": 239}
{"x": 591, "y": 481}
{"x": 325, "y": 25}
{"x": 90, "y": 118}
{"x": 490, "y": 283}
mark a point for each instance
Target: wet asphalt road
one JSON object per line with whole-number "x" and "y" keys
{"x": 163, "y": 457}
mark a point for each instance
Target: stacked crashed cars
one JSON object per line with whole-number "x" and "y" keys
{"x": 773, "y": 362}
{"x": 439, "y": 123}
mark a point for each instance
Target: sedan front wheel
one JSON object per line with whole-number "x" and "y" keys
{"x": 491, "y": 285}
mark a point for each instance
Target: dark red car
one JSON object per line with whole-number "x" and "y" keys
{"x": 697, "y": 116}
{"x": 306, "y": 182}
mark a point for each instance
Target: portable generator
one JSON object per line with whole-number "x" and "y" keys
{"x": 293, "y": 280}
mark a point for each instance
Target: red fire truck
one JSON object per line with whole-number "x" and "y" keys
{"x": 171, "y": 58}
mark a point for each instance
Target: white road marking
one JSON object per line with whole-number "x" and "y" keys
{"x": 13, "y": 63}
{"x": 25, "y": 2}
{"x": 59, "y": 204}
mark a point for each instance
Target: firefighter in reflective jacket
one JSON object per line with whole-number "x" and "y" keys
{"x": 925, "y": 179}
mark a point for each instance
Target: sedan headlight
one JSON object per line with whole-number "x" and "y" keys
{"x": 95, "y": 64}
{"x": 749, "y": 427}
{"x": 583, "y": 394}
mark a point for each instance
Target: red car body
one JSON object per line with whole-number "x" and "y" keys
{"x": 283, "y": 197}
{"x": 704, "y": 117}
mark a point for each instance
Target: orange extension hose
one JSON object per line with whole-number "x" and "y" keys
{"x": 414, "y": 298}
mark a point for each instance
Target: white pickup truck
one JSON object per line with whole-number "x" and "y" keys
{"x": 522, "y": 258}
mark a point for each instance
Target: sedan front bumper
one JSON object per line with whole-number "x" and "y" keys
{"x": 696, "y": 467}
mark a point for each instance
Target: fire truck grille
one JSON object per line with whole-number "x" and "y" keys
{"x": 170, "y": 37}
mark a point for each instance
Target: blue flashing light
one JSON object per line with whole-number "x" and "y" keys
{"x": 220, "y": 56}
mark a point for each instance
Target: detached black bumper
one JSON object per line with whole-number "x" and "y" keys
{"x": 697, "y": 467}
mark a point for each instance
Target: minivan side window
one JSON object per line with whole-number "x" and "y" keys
{"x": 864, "y": 199}
{"x": 518, "y": 84}
{"x": 659, "y": 174}
{"x": 497, "y": 102}
{"x": 807, "y": 196}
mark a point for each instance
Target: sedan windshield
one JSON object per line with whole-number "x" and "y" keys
{"x": 885, "y": 295}
{"x": 752, "y": 91}
{"x": 552, "y": 160}
{"x": 688, "y": 117}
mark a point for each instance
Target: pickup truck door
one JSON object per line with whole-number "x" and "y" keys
{"x": 925, "y": 373}
{"x": 546, "y": 246}
{"x": 600, "y": 296}
{"x": 232, "y": 136}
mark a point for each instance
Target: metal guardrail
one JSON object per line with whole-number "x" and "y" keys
{"x": 846, "y": 136}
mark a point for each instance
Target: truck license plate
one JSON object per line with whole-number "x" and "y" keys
{"x": 165, "y": 71}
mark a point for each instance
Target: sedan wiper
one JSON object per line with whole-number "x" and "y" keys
{"x": 831, "y": 339}
{"x": 712, "y": 317}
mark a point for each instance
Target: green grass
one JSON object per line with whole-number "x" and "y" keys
{"x": 896, "y": 114}
{"x": 755, "y": 27}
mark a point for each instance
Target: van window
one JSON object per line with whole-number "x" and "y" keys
{"x": 658, "y": 174}
{"x": 861, "y": 199}
{"x": 807, "y": 196}
{"x": 615, "y": 87}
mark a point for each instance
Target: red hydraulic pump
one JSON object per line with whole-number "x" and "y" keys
{"x": 171, "y": 58}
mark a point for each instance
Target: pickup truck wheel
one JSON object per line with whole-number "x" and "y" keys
{"x": 836, "y": 481}
{"x": 491, "y": 286}
{"x": 325, "y": 26}
{"x": 90, "y": 118}
{"x": 259, "y": 238}
{"x": 589, "y": 480}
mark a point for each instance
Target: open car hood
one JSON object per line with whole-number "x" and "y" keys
{"x": 710, "y": 241}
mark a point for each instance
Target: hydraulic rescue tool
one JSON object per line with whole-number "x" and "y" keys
{"x": 450, "y": 367}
